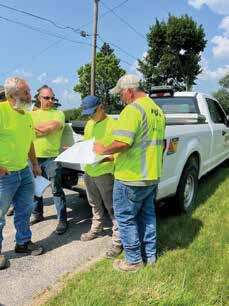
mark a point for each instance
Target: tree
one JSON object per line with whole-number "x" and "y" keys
{"x": 222, "y": 95}
{"x": 174, "y": 53}
{"x": 73, "y": 114}
{"x": 108, "y": 71}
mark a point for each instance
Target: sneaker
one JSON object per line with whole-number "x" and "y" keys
{"x": 61, "y": 227}
{"x": 36, "y": 219}
{"x": 90, "y": 235}
{"x": 124, "y": 266}
{"x": 29, "y": 248}
{"x": 114, "y": 251}
{"x": 3, "y": 262}
{"x": 10, "y": 212}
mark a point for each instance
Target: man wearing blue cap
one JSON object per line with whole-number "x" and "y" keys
{"x": 99, "y": 178}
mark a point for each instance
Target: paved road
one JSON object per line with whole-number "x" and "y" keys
{"x": 28, "y": 276}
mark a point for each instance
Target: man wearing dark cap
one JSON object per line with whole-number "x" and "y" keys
{"x": 99, "y": 178}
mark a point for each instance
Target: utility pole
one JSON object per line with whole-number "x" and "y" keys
{"x": 94, "y": 42}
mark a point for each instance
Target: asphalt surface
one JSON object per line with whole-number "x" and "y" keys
{"x": 28, "y": 276}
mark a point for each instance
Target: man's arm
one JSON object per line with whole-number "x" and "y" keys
{"x": 115, "y": 147}
{"x": 48, "y": 127}
{"x": 35, "y": 166}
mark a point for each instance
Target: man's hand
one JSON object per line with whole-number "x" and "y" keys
{"x": 115, "y": 147}
{"x": 40, "y": 133}
{"x": 36, "y": 170}
{"x": 65, "y": 147}
{"x": 48, "y": 127}
{"x": 98, "y": 148}
{"x": 107, "y": 159}
{"x": 3, "y": 171}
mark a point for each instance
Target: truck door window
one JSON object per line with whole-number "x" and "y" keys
{"x": 216, "y": 112}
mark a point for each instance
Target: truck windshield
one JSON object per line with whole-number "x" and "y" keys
{"x": 177, "y": 105}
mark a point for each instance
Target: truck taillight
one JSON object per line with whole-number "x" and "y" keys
{"x": 173, "y": 143}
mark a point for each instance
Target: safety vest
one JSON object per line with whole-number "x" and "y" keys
{"x": 102, "y": 132}
{"x": 142, "y": 125}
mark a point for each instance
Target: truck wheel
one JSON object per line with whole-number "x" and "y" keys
{"x": 188, "y": 186}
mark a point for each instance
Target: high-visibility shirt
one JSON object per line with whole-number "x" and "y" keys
{"x": 141, "y": 125}
{"x": 102, "y": 132}
{"x": 16, "y": 135}
{"x": 48, "y": 145}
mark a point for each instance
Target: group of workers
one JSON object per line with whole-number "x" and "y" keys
{"x": 124, "y": 183}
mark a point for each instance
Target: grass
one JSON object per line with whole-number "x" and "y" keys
{"x": 192, "y": 268}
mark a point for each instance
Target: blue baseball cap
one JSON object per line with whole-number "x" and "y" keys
{"x": 89, "y": 105}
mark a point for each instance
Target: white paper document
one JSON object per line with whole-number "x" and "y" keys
{"x": 41, "y": 183}
{"x": 80, "y": 153}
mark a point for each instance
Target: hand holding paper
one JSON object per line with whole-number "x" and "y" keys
{"x": 80, "y": 153}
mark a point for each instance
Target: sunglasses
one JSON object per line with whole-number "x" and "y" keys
{"x": 49, "y": 98}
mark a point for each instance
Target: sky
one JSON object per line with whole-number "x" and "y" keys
{"x": 45, "y": 53}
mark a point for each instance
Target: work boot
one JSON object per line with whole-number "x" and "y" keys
{"x": 10, "y": 212}
{"x": 150, "y": 261}
{"x": 90, "y": 235}
{"x": 3, "y": 262}
{"x": 61, "y": 227}
{"x": 29, "y": 248}
{"x": 114, "y": 251}
{"x": 124, "y": 266}
{"x": 36, "y": 219}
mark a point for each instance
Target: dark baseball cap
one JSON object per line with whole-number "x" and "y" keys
{"x": 89, "y": 105}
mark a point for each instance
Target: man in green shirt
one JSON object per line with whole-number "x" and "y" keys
{"x": 16, "y": 179}
{"x": 99, "y": 178}
{"x": 49, "y": 124}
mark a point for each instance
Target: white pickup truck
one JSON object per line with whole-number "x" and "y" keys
{"x": 197, "y": 140}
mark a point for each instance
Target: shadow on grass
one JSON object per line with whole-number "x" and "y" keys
{"x": 178, "y": 231}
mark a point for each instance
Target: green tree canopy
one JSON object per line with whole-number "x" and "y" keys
{"x": 174, "y": 52}
{"x": 222, "y": 95}
{"x": 108, "y": 71}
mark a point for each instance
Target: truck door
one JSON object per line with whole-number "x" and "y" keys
{"x": 220, "y": 143}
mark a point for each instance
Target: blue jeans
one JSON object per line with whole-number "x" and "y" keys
{"x": 134, "y": 211}
{"x": 52, "y": 171}
{"x": 17, "y": 188}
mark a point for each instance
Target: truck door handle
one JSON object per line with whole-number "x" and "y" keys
{"x": 223, "y": 133}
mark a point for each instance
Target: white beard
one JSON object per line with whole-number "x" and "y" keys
{"x": 23, "y": 106}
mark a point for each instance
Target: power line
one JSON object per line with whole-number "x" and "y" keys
{"x": 119, "y": 48}
{"x": 105, "y": 13}
{"x": 59, "y": 38}
{"x": 44, "y": 32}
{"x": 114, "y": 8}
{"x": 123, "y": 20}
{"x": 63, "y": 27}
{"x": 59, "y": 26}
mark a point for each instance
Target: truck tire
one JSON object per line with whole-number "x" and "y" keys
{"x": 188, "y": 186}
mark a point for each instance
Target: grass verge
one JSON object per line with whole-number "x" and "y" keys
{"x": 191, "y": 269}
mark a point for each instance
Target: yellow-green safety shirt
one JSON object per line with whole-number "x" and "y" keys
{"x": 48, "y": 145}
{"x": 141, "y": 125}
{"x": 16, "y": 135}
{"x": 102, "y": 132}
